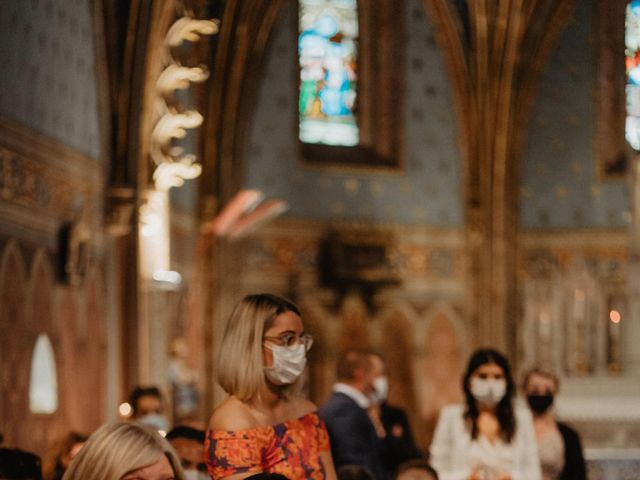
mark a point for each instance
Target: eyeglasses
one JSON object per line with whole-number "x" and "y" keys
{"x": 291, "y": 339}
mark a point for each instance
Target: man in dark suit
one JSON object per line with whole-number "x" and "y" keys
{"x": 353, "y": 437}
{"x": 392, "y": 424}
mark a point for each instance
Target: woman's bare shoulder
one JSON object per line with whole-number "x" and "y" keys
{"x": 232, "y": 415}
{"x": 302, "y": 406}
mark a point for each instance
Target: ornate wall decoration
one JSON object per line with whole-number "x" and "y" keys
{"x": 494, "y": 93}
{"x": 50, "y": 181}
{"x": 578, "y": 289}
{"x": 569, "y": 290}
{"x": 176, "y": 120}
{"x": 31, "y": 304}
{"x": 174, "y": 160}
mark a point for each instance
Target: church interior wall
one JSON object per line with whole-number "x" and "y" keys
{"x": 49, "y": 75}
{"x": 53, "y": 244}
{"x": 561, "y": 184}
{"x": 427, "y": 188}
{"x": 573, "y": 240}
{"x": 52, "y": 254}
{"x": 569, "y": 213}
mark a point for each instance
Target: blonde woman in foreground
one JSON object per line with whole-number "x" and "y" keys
{"x": 264, "y": 426}
{"x": 125, "y": 451}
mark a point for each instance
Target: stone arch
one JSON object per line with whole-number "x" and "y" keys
{"x": 14, "y": 345}
{"x": 12, "y": 267}
{"x": 396, "y": 343}
{"x": 41, "y": 319}
{"x": 66, "y": 322}
{"x": 94, "y": 373}
{"x": 445, "y": 345}
{"x": 355, "y": 331}
{"x": 40, "y": 316}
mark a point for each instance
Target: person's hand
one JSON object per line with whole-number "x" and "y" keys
{"x": 476, "y": 473}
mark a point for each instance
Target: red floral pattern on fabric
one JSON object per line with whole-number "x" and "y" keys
{"x": 291, "y": 449}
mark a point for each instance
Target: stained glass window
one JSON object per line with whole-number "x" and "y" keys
{"x": 632, "y": 52}
{"x": 327, "y": 53}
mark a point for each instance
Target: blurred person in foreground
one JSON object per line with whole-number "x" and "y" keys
{"x": 353, "y": 472}
{"x": 16, "y": 464}
{"x": 559, "y": 445}
{"x": 416, "y": 469}
{"x": 264, "y": 425}
{"x": 57, "y": 459}
{"x": 489, "y": 437}
{"x": 188, "y": 442}
{"x": 392, "y": 424}
{"x": 125, "y": 451}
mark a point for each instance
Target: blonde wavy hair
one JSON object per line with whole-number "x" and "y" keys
{"x": 240, "y": 363}
{"x": 117, "y": 449}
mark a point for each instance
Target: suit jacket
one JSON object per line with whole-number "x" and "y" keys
{"x": 353, "y": 437}
{"x": 398, "y": 445}
{"x": 574, "y": 467}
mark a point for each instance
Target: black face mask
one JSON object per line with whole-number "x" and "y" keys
{"x": 540, "y": 403}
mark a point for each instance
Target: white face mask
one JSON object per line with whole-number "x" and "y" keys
{"x": 288, "y": 364}
{"x": 488, "y": 392}
{"x": 380, "y": 390}
{"x": 155, "y": 420}
{"x": 195, "y": 475}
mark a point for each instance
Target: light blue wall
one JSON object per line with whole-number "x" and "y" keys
{"x": 47, "y": 71}
{"x": 560, "y": 185}
{"x": 427, "y": 191}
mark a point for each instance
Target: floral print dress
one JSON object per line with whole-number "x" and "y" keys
{"x": 291, "y": 448}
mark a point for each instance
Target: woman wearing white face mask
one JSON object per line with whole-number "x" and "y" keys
{"x": 488, "y": 438}
{"x": 263, "y": 426}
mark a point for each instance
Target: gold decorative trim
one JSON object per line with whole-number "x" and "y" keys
{"x": 43, "y": 183}
{"x": 31, "y": 144}
{"x": 574, "y": 238}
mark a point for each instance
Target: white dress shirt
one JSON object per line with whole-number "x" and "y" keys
{"x": 454, "y": 454}
{"x": 353, "y": 393}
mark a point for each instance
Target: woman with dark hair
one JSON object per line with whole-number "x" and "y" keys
{"x": 59, "y": 456}
{"x": 487, "y": 438}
